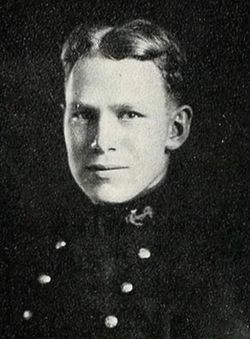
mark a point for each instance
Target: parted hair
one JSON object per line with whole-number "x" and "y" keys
{"x": 138, "y": 39}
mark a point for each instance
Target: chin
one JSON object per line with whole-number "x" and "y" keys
{"x": 110, "y": 195}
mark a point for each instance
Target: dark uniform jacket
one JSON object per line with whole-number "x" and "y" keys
{"x": 144, "y": 269}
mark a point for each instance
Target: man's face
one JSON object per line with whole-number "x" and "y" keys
{"x": 116, "y": 126}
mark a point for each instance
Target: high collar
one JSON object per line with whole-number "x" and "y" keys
{"x": 157, "y": 199}
{"x": 162, "y": 200}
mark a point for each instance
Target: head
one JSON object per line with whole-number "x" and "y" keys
{"x": 125, "y": 111}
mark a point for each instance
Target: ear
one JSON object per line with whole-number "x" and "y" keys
{"x": 179, "y": 127}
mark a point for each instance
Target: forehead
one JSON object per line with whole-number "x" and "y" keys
{"x": 123, "y": 80}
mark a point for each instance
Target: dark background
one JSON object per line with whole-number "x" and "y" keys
{"x": 36, "y": 184}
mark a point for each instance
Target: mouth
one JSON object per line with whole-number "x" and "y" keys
{"x": 97, "y": 168}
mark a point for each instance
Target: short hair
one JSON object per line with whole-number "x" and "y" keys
{"x": 138, "y": 39}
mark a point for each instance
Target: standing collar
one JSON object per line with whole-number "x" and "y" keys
{"x": 156, "y": 201}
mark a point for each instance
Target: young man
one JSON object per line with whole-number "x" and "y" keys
{"x": 133, "y": 268}
{"x": 124, "y": 110}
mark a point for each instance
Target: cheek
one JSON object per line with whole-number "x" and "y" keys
{"x": 157, "y": 138}
{"x": 147, "y": 143}
{"x": 75, "y": 137}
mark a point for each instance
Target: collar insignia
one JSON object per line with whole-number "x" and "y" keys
{"x": 137, "y": 219}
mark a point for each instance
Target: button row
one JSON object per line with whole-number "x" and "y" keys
{"x": 111, "y": 321}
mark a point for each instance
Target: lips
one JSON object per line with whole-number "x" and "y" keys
{"x": 99, "y": 167}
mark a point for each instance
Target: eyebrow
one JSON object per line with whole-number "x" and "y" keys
{"x": 121, "y": 107}
{"x": 116, "y": 107}
{"x": 80, "y": 105}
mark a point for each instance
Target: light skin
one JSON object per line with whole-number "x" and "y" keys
{"x": 119, "y": 125}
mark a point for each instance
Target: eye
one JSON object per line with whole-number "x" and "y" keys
{"x": 83, "y": 114}
{"x": 129, "y": 115}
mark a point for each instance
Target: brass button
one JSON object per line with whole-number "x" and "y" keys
{"x": 44, "y": 279}
{"x": 111, "y": 321}
{"x": 126, "y": 287}
{"x": 27, "y": 315}
{"x": 144, "y": 253}
{"x": 60, "y": 244}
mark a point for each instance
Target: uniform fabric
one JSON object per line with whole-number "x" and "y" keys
{"x": 180, "y": 290}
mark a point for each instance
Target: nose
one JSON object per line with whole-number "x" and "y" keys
{"x": 104, "y": 138}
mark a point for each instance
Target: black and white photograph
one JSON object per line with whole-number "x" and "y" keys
{"x": 124, "y": 166}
